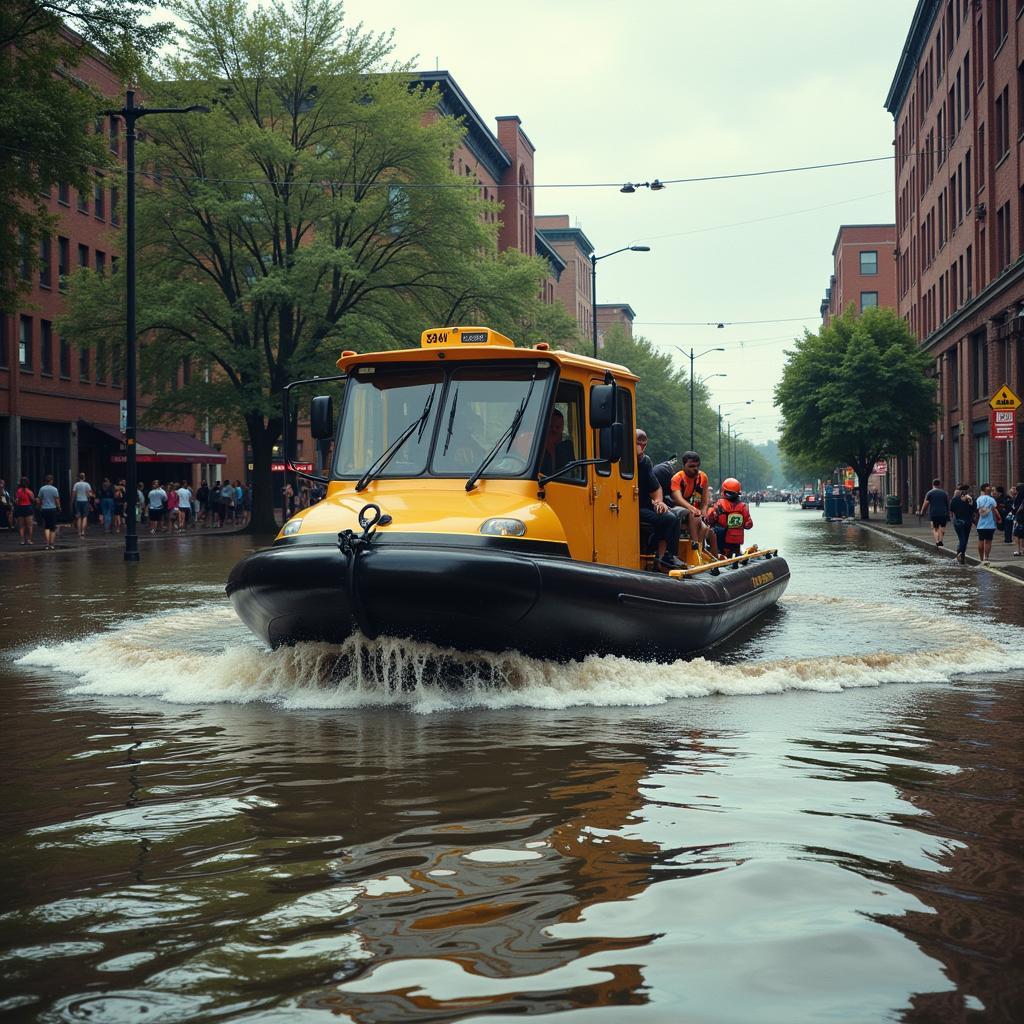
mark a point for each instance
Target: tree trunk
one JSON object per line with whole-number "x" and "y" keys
{"x": 863, "y": 470}
{"x": 261, "y": 440}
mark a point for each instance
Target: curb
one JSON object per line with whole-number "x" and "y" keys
{"x": 1011, "y": 571}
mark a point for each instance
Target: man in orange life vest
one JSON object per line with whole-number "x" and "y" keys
{"x": 730, "y": 517}
{"x": 691, "y": 493}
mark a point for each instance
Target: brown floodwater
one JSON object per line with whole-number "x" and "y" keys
{"x": 819, "y": 820}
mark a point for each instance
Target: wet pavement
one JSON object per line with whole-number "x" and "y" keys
{"x": 819, "y": 819}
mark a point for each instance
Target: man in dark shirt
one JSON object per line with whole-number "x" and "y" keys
{"x": 936, "y": 501}
{"x": 654, "y": 512}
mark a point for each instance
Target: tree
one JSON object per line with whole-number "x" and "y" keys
{"x": 313, "y": 209}
{"x": 857, "y": 390}
{"x": 46, "y": 113}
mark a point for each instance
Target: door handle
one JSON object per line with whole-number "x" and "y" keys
{"x": 614, "y": 506}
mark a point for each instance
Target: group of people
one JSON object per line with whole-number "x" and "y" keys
{"x": 989, "y": 511}
{"x": 174, "y": 507}
{"x": 671, "y": 499}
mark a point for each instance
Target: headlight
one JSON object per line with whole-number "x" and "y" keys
{"x": 503, "y": 528}
{"x": 291, "y": 528}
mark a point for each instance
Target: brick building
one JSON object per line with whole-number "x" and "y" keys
{"x": 614, "y": 314}
{"x": 573, "y": 287}
{"x": 863, "y": 269}
{"x": 957, "y": 100}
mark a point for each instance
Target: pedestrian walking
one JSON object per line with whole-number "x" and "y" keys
{"x": 119, "y": 505}
{"x": 1018, "y": 518}
{"x": 49, "y": 507}
{"x": 140, "y": 504}
{"x": 227, "y": 502}
{"x": 172, "y": 506}
{"x": 936, "y": 501}
{"x": 24, "y": 509}
{"x": 962, "y": 508}
{"x": 184, "y": 505}
{"x": 203, "y": 501}
{"x": 6, "y": 507}
{"x": 239, "y": 504}
{"x": 1005, "y": 507}
{"x": 157, "y": 502}
{"x": 107, "y": 504}
{"x": 81, "y": 493}
{"x": 987, "y": 519}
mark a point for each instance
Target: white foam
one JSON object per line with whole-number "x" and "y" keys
{"x": 501, "y": 856}
{"x": 203, "y": 655}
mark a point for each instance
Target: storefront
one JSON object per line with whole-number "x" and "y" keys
{"x": 164, "y": 455}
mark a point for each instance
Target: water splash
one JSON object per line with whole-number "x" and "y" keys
{"x": 203, "y": 655}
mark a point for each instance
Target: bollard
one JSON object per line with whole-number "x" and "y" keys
{"x": 893, "y": 512}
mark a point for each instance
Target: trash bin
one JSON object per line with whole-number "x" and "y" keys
{"x": 893, "y": 512}
{"x": 833, "y": 509}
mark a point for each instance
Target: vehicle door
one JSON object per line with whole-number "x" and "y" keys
{"x": 614, "y": 495}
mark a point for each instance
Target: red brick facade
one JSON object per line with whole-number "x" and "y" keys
{"x": 864, "y": 270}
{"x": 958, "y": 105}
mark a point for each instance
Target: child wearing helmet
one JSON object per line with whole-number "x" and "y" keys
{"x": 730, "y": 517}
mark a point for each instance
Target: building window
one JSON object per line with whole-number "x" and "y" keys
{"x": 25, "y": 342}
{"x": 953, "y": 365}
{"x": 1002, "y": 237}
{"x": 101, "y": 262}
{"x": 83, "y": 256}
{"x": 114, "y": 130}
{"x": 101, "y": 362}
{"x": 63, "y": 193}
{"x": 63, "y": 259}
{"x": 979, "y": 364}
{"x": 867, "y": 300}
{"x": 99, "y": 201}
{"x": 1000, "y": 24}
{"x": 83, "y": 201}
{"x": 65, "y": 359}
{"x": 45, "y": 261}
{"x": 46, "y": 347}
{"x": 981, "y": 462}
{"x": 869, "y": 262}
{"x": 115, "y": 216}
{"x": 1002, "y": 114}
{"x": 83, "y": 364}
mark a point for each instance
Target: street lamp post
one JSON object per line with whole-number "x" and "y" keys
{"x": 593, "y": 283}
{"x": 692, "y": 357}
{"x": 131, "y": 113}
{"x": 748, "y": 401}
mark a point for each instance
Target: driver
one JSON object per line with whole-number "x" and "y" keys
{"x": 466, "y": 451}
{"x": 558, "y": 449}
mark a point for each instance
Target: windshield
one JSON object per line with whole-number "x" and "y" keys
{"x": 380, "y": 403}
{"x": 479, "y": 405}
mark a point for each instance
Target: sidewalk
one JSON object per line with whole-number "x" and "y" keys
{"x": 67, "y": 538}
{"x": 919, "y": 533}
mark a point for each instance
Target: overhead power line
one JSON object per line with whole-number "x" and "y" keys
{"x": 725, "y": 323}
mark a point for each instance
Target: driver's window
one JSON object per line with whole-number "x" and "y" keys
{"x": 565, "y": 438}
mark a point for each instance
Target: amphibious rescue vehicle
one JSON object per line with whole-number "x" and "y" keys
{"x": 484, "y": 497}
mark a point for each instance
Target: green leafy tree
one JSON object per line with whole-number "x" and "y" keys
{"x": 46, "y": 113}
{"x": 313, "y": 209}
{"x": 857, "y": 390}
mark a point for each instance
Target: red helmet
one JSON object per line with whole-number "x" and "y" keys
{"x": 732, "y": 486}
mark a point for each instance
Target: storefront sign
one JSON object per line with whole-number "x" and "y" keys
{"x": 1003, "y": 425}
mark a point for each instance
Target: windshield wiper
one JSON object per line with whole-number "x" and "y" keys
{"x": 392, "y": 449}
{"x": 451, "y": 422}
{"x": 509, "y": 435}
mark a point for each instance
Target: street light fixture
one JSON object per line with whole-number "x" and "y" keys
{"x": 131, "y": 113}
{"x": 748, "y": 401}
{"x": 692, "y": 357}
{"x": 593, "y": 281}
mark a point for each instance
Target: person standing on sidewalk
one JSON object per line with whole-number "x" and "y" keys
{"x": 157, "y": 501}
{"x": 49, "y": 506}
{"x": 1005, "y": 506}
{"x": 1018, "y": 518}
{"x": 24, "y": 502}
{"x": 962, "y": 507}
{"x": 81, "y": 492}
{"x": 988, "y": 520}
{"x": 6, "y": 507}
{"x": 936, "y": 501}
{"x": 108, "y": 503}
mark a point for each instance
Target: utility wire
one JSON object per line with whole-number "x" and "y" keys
{"x": 724, "y": 323}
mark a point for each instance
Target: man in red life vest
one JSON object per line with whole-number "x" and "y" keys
{"x": 730, "y": 517}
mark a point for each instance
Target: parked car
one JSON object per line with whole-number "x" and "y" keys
{"x": 811, "y": 499}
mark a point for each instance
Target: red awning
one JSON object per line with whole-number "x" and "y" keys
{"x": 163, "y": 446}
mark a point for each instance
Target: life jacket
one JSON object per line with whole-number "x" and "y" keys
{"x": 733, "y": 517}
{"x": 692, "y": 489}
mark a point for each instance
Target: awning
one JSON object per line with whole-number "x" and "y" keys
{"x": 163, "y": 446}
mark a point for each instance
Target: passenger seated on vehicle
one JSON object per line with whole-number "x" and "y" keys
{"x": 730, "y": 517}
{"x": 654, "y": 513}
{"x": 692, "y": 493}
{"x": 558, "y": 449}
{"x": 464, "y": 450}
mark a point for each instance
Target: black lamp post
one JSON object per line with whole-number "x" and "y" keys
{"x": 131, "y": 114}
{"x": 692, "y": 357}
{"x": 593, "y": 281}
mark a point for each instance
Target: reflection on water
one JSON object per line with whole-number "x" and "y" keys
{"x": 819, "y": 821}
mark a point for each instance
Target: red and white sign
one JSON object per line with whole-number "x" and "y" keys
{"x": 299, "y": 467}
{"x": 880, "y": 468}
{"x": 1004, "y": 424}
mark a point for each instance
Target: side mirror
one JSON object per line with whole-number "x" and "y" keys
{"x": 321, "y": 417}
{"x": 602, "y": 406}
{"x": 611, "y": 442}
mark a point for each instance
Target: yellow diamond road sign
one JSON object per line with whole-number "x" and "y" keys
{"x": 1004, "y": 398}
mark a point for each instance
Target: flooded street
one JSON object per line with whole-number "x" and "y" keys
{"x": 819, "y": 820}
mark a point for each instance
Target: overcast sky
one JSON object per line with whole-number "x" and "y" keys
{"x": 675, "y": 89}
